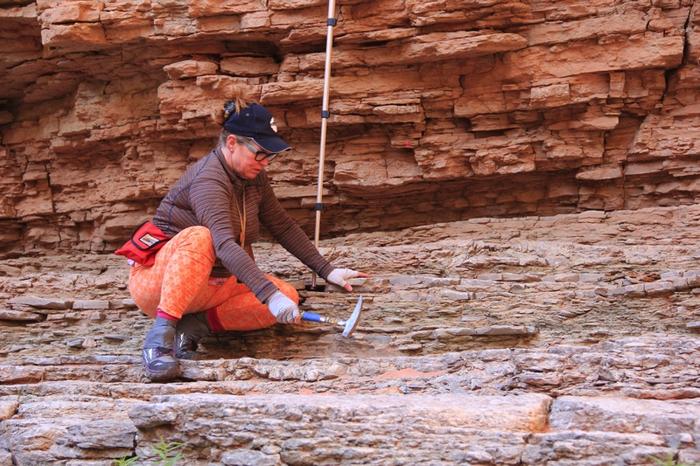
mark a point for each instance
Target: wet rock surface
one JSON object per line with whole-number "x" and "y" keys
{"x": 538, "y": 340}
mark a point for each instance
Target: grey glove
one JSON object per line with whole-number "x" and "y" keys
{"x": 340, "y": 277}
{"x": 284, "y": 309}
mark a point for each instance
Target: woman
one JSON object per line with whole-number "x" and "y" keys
{"x": 204, "y": 279}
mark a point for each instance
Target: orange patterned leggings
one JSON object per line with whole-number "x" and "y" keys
{"x": 179, "y": 283}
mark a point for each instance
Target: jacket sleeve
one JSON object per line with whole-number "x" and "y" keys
{"x": 288, "y": 233}
{"x": 210, "y": 198}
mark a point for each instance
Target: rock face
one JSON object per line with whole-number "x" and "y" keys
{"x": 526, "y": 341}
{"x": 551, "y": 319}
{"x": 440, "y": 111}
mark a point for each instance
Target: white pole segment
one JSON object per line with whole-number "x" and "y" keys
{"x": 325, "y": 114}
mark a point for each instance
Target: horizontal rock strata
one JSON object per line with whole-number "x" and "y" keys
{"x": 372, "y": 429}
{"x": 649, "y": 367}
{"x": 440, "y": 111}
{"x": 536, "y": 340}
{"x": 481, "y": 282}
{"x": 552, "y": 338}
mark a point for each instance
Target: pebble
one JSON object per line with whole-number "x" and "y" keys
{"x": 75, "y": 343}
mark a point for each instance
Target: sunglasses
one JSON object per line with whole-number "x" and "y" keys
{"x": 260, "y": 154}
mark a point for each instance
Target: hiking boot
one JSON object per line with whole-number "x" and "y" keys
{"x": 158, "y": 360}
{"x": 190, "y": 329}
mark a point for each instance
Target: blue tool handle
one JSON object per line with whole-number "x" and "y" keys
{"x": 311, "y": 317}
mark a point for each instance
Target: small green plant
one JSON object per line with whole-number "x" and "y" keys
{"x": 126, "y": 461}
{"x": 169, "y": 453}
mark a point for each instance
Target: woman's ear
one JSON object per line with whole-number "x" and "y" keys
{"x": 231, "y": 142}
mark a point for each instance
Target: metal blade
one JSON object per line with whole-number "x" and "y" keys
{"x": 354, "y": 319}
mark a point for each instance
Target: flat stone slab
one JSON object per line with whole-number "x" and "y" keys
{"x": 334, "y": 429}
{"x": 87, "y": 304}
{"x": 246, "y": 456}
{"x": 346, "y": 428}
{"x": 301, "y": 429}
{"x": 595, "y": 448}
{"x": 41, "y": 303}
{"x": 20, "y": 374}
{"x": 21, "y": 316}
{"x": 626, "y": 415}
{"x": 55, "y": 430}
{"x": 526, "y": 413}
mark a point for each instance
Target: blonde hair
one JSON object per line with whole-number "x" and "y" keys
{"x": 235, "y": 105}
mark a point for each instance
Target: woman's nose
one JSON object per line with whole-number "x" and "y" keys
{"x": 265, "y": 162}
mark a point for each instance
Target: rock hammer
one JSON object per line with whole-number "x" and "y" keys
{"x": 348, "y": 325}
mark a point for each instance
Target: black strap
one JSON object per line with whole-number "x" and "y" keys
{"x": 332, "y": 22}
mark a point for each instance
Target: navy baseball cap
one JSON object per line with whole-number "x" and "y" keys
{"x": 256, "y": 122}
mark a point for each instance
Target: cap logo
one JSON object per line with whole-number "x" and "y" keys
{"x": 273, "y": 125}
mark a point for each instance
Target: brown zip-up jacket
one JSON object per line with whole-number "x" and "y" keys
{"x": 204, "y": 195}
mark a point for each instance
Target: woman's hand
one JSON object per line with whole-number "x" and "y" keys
{"x": 340, "y": 277}
{"x": 284, "y": 309}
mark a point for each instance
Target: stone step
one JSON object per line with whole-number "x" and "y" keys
{"x": 599, "y": 448}
{"x": 677, "y": 418}
{"x": 377, "y": 429}
{"x": 644, "y": 367}
{"x": 61, "y": 430}
{"x": 527, "y": 429}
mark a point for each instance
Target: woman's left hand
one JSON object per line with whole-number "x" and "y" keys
{"x": 340, "y": 277}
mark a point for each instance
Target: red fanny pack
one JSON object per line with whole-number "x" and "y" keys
{"x": 144, "y": 244}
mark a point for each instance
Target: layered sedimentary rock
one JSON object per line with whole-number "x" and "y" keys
{"x": 569, "y": 339}
{"x": 439, "y": 110}
{"x": 567, "y": 335}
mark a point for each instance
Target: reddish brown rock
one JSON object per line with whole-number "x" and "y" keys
{"x": 439, "y": 111}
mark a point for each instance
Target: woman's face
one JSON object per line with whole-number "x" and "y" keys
{"x": 242, "y": 157}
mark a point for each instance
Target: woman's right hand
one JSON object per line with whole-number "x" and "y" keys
{"x": 284, "y": 309}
